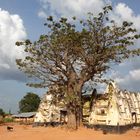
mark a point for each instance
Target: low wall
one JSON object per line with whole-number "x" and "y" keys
{"x": 119, "y": 129}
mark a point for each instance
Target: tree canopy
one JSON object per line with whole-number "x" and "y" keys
{"x": 29, "y": 103}
{"x": 2, "y": 113}
{"x": 73, "y": 53}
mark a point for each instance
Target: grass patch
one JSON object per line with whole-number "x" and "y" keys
{"x": 8, "y": 120}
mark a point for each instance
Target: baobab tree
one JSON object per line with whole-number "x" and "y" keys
{"x": 72, "y": 53}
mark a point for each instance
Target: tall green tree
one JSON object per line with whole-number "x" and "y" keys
{"x": 2, "y": 113}
{"x": 29, "y": 103}
{"x": 73, "y": 53}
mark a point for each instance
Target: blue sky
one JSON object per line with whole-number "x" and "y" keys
{"x": 21, "y": 19}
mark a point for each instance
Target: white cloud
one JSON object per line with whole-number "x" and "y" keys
{"x": 124, "y": 12}
{"x": 70, "y": 8}
{"x": 42, "y": 14}
{"x": 135, "y": 74}
{"x": 11, "y": 30}
{"x": 129, "y": 81}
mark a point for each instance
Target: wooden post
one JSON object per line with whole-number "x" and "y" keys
{"x": 118, "y": 128}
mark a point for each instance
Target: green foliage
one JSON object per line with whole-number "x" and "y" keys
{"x": 29, "y": 103}
{"x": 2, "y": 113}
{"x": 6, "y": 120}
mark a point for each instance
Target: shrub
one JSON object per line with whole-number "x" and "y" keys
{"x": 8, "y": 120}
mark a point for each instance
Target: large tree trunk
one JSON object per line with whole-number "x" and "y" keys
{"x": 72, "y": 122}
{"x": 75, "y": 107}
{"x": 80, "y": 106}
{"x": 79, "y": 115}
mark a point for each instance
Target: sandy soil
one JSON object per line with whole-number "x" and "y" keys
{"x": 22, "y": 132}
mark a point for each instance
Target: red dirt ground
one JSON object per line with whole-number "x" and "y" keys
{"x": 22, "y": 132}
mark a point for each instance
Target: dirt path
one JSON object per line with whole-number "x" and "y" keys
{"x": 22, "y": 132}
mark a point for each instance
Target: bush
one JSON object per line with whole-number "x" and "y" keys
{"x": 8, "y": 120}
{"x": 1, "y": 119}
